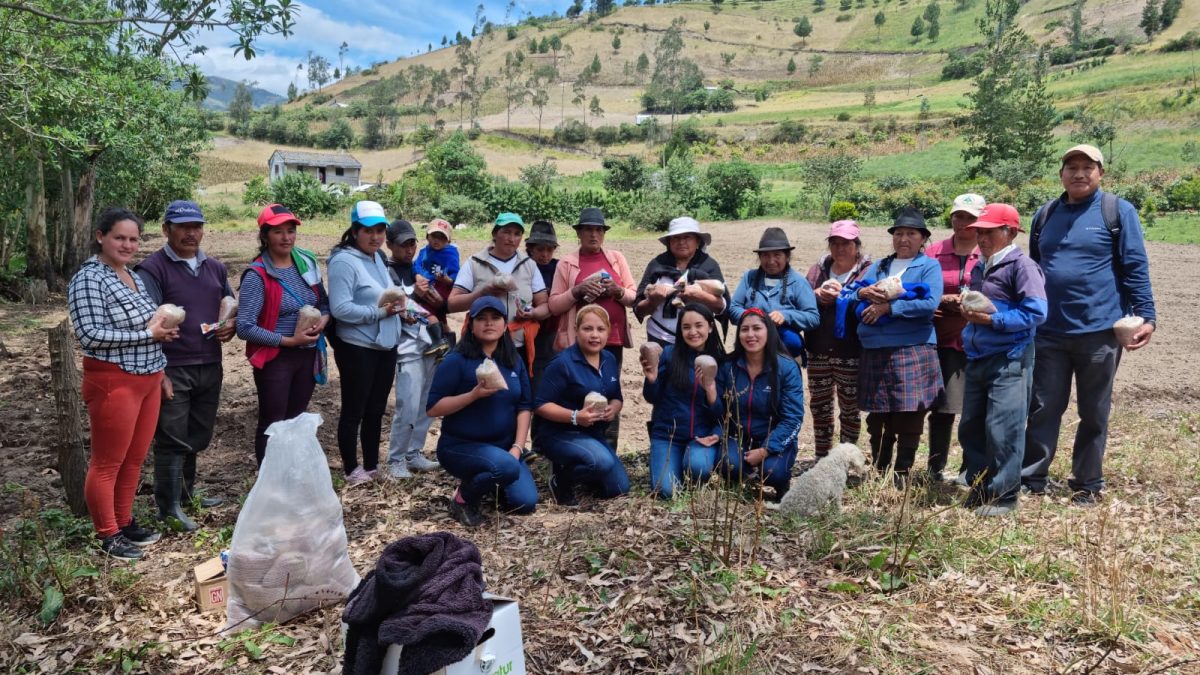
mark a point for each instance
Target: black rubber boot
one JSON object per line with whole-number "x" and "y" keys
{"x": 168, "y": 488}
{"x": 189, "y": 484}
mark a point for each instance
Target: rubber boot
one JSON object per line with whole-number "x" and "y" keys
{"x": 168, "y": 487}
{"x": 189, "y": 484}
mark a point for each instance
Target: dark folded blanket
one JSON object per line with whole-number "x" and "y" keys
{"x": 426, "y": 594}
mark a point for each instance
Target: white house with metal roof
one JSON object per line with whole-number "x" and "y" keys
{"x": 327, "y": 167}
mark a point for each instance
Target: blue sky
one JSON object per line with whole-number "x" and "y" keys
{"x": 376, "y": 30}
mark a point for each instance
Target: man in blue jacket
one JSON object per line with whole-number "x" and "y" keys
{"x": 1000, "y": 357}
{"x": 1090, "y": 246}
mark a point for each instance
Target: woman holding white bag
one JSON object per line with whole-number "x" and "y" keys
{"x": 365, "y": 306}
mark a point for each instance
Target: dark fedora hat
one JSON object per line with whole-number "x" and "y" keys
{"x": 592, "y": 216}
{"x": 910, "y": 218}
{"x": 774, "y": 239}
{"x": 541, "y": 232}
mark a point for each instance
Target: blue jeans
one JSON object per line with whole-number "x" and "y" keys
{"x": 484, "y": 468}
{"x": 992, "y": 427}
{"x": 581, "y": 459}
{"x": 1092, "y": 359}
{"x": 774, "y": 472}
{"x": 675, "y": 460}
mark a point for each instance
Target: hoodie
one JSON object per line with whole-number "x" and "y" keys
{"x": 355, "y": 284}
{"x": 753, "y": 417}
{"x": 1016, "y": 286}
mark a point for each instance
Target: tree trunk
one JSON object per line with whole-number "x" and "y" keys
{"x": 70, "y": 444}
{"x": 68, "y": 210}
{"x": 79, "y": 238}
{"x": 37, "y": 246}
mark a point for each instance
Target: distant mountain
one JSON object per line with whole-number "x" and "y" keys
{"x": 220, "y": 94}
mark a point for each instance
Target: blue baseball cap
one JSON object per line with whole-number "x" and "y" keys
{"x": 368, "y": 214}
{"x": 183, "y": 211}
{"x": 488, "y": 302}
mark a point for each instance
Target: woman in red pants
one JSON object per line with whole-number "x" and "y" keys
{"x": 123, "y": 366}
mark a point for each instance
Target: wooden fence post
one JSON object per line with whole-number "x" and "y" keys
{"x": 70, "y": 443}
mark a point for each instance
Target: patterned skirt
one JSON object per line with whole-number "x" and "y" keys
{"x": 898, "y": 379}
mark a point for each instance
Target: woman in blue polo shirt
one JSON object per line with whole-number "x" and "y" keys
{"x": 485, "y": 430}
{"x": 573, "y": 436}
{"x": 767, "y": 404}
{"x": 685, "y": 424}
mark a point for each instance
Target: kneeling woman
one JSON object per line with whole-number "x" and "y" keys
{"x": 686, "y": 422}
{"x": 767, "y": 404}
{"x": 573, "y": 435}
{"x": 485, "y": 428}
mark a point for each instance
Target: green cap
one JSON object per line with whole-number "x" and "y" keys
{"x": 507, "y": 218}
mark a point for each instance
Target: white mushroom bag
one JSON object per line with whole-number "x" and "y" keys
{"x": 289, "y": 554}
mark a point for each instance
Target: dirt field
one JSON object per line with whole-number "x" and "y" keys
{"x": 596, "y": 583}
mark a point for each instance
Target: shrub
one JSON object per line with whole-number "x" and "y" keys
{"x": 1185, "y": 194}
{"x": 573, "y": 132}
{"x": 682, "y": 182}
{"x": 624, "y": 174}
{"x": 607, "y": 135}
{"x": 257, "y": 193}
{"x": 655, "y": 211}
{"x": 540, "y": 176}
{"x": 789, "y": 131}
{"x": 729, "y": 185}
{"x": 304, "y": 195}
{"x": 843, "y": 116}
{"x": 842, "y": 211}
{"x": 462, "y": 209}
{"x": 890, "y": 183}
{"x": 629, "y": 133}
{"x": 411, "y": 197}
{"x": 457, "y": 166}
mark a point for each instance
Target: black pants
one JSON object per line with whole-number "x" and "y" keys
{"x": 613, "y": 433}
{"x": 366, "y": 380}
{"x": 905, "y": 427}
{"x": 185, "y": 423}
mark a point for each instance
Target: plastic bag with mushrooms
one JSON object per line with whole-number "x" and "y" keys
{"x": 707, "y": 366}
{"x": 650, "y": 353}
{"x": 392, "y": 295}
{"x": 306, "y": 318}
{"x": 488, "y": 374}
{"x": 595, "y": 401}
{"x": 504, "y": 282}
{"x": 170, "y": 315}
{"x": 892, "y": 286}
{"x": 226, "y": 311}
{"x": 1126, "y": 327}
{"x": 974, "y": 301}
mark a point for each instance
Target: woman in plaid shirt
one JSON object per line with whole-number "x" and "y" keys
{"x": 122, "y": 374}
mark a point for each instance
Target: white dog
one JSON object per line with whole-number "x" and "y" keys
{"x": 823, "y": 483}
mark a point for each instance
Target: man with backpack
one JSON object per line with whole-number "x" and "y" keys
{"x": 1089, "y": 244}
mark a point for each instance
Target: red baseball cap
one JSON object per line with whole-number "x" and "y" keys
{"x": 276, "y": 214}
{"x": 998, "y": 215}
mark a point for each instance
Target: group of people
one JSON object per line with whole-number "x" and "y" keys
{"x": 970, "y": 326}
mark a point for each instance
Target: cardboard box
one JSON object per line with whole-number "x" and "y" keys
{"x": 212, "y": 586}
{"x": 501, "y": 653}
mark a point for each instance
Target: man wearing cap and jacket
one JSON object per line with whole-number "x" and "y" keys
{"x": 504, "y": 257}
{"x": 180, "y": 273}
{"x": 1000, "y": 355}
{"x": 1091, "y": 248}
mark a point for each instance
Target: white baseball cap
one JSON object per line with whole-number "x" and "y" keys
{"x": 969, "y": 203}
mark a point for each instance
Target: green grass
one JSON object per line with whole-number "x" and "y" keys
{"x": 1176, "y": 228}
{"x": 958, "y": 29}
{"x": 1123, "y": 72}
{"x": 940, "y": 160}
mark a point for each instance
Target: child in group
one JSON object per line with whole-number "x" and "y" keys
{"x": 438, "y": 263}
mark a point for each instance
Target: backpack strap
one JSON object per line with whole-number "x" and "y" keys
{"x": 1039, "y": 222}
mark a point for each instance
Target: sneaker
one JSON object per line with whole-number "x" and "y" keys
{"x": 138, "y": 535}
{"x": 358, "y": 476}
{"x": 1029, "y": 491}
{"x": 421, "y": 464}
{"x": 564, "y": 496}
{"x": 437, "y": 349}
{"x": 117, "y": 546}
{"x": 1087, "y": 498}
{"x": 961, "y": 480}
{"x": 997, "y": 509}
{"x": 467, "y": 514}
{"x": 398, "y": 471}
